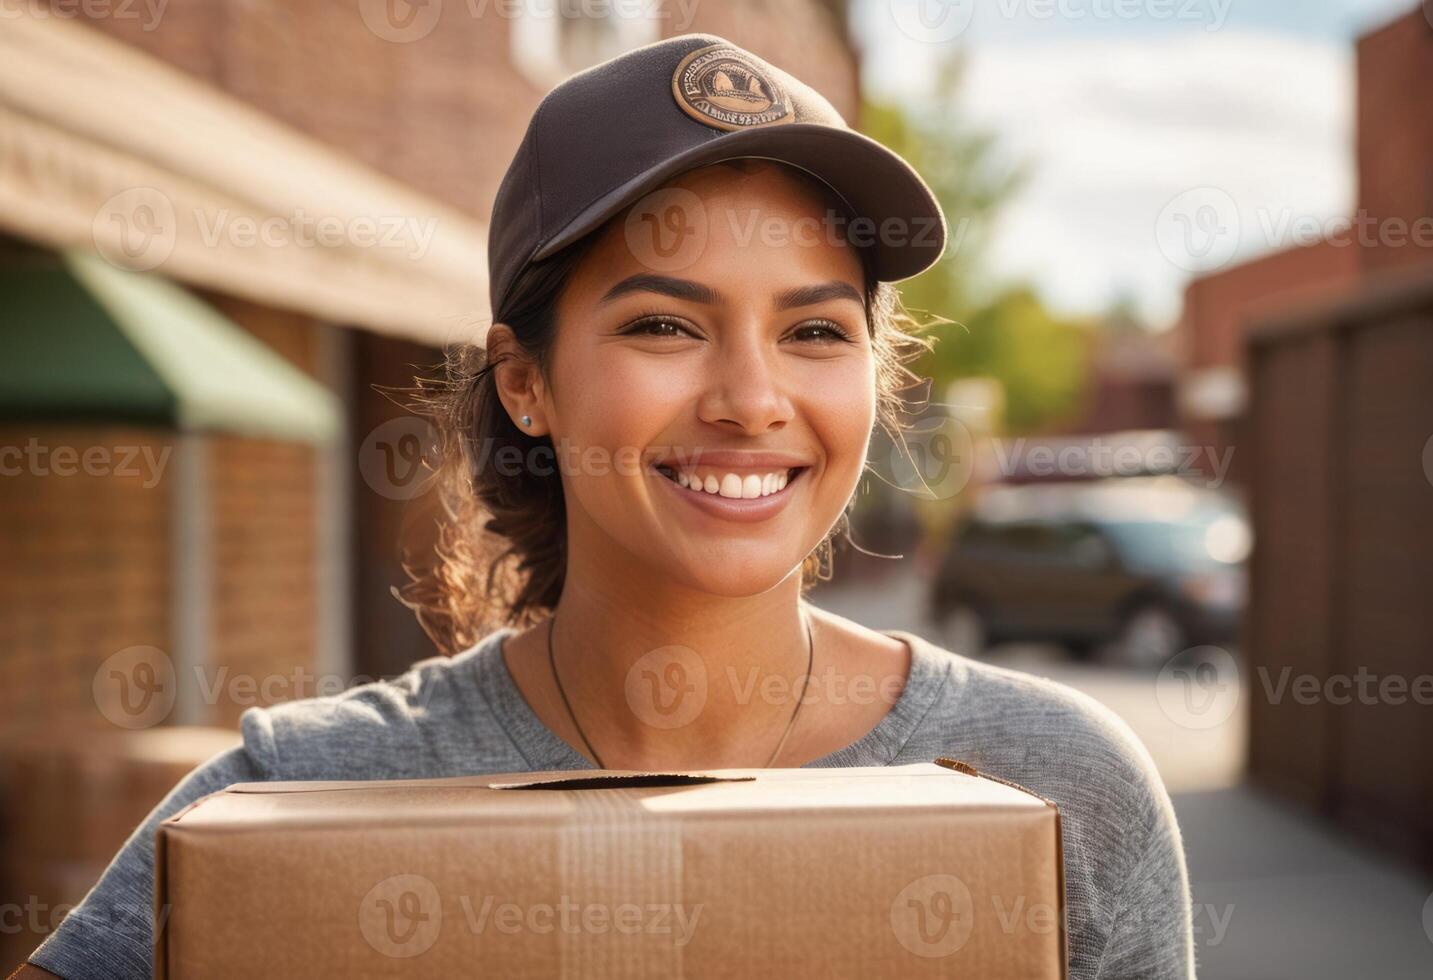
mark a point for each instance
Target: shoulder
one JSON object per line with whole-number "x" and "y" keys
{"x": 1047, "y": 736}
{"x": 1020, "y": 719}
{"x": 396, "y": 728}
{"x": 1121, "y": 838}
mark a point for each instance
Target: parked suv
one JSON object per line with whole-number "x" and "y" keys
{"x": 1139, "y": 569}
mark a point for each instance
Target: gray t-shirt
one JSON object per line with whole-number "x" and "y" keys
{"x": 1126, "y": 884}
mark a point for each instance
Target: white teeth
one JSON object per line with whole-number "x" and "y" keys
{"x": 734, "y": 485}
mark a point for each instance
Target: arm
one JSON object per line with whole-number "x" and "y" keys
{"x": 1152, "y": 936}
{"x": 111, "y": 933}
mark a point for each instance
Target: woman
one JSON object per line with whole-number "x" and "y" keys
{"x": 694, "y": 339}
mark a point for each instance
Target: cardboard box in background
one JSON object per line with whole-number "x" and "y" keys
{"x": 68, "y": 801}
{"x": 907, "y": 871}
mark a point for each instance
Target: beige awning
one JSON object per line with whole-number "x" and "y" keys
{"x": 105, "y": 148}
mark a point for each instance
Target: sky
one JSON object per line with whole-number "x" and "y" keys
{"x": 1143, "y": 123}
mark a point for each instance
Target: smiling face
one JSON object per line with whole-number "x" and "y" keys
{"x": 746, "y": 368}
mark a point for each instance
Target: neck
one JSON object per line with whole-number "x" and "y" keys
{"x": 660, "y": 676}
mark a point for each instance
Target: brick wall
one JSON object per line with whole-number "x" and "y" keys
{"x": 264, "y": 506}
{"x": 1395, "y": 190}
{"x": 1395, "y": 138}
{"x": 86, "y": 570}
{"x": 1339, "y": 420}
{"x": 88, "y": 553}
{"x": 443, "y": 113}
{"x": 1217, "y": 307}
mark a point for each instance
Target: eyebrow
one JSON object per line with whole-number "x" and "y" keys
{"x": 665, "y": 285}
{"x": 811, "y": 295}
{"x": 696, "y": 292}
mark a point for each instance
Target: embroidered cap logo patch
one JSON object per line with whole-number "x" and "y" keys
{"x": 729, "y": 89}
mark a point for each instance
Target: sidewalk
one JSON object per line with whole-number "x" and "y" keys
{"x": 1278, "y": 894}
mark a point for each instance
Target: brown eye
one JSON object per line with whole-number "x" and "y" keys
{"x": 821, "y": 332}
{"x": 657, "y": 326}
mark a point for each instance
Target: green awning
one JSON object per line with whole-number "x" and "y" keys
{"x": 86, "y": 341}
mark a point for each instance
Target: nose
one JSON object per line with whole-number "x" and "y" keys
{"x": 746, "y": 387}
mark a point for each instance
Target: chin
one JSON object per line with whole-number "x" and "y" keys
{"x": 734, "y": 579}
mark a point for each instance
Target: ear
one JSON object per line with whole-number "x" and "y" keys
{"x": 518, "y": 381}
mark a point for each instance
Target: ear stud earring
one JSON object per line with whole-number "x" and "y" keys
{"x": 527, "y": 420}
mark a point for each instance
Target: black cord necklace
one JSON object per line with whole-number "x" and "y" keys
{"x": 790, "y": 724}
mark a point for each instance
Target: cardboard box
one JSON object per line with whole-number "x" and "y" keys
{"x": 924, "y": 870}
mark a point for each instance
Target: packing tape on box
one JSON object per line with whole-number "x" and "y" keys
{"x": 623, "y": 871}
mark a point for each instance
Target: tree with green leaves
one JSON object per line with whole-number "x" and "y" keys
{"x": 1006, "y": 334}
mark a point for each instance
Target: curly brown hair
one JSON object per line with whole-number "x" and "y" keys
{"x": 500, "y": 552}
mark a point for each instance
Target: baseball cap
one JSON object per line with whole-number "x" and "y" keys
{"x": 608, "y": 136}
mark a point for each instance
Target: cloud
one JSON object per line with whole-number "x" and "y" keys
{"x": 1115, "y": 121}
{"x": 1115, "y": 129}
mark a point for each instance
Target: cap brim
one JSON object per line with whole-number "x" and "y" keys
{"x": 907, "y": 231}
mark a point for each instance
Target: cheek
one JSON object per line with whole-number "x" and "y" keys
{"x": 842, "y": 412}
{"x": 611, "y": 409}
{"x": 616, "y": 400}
